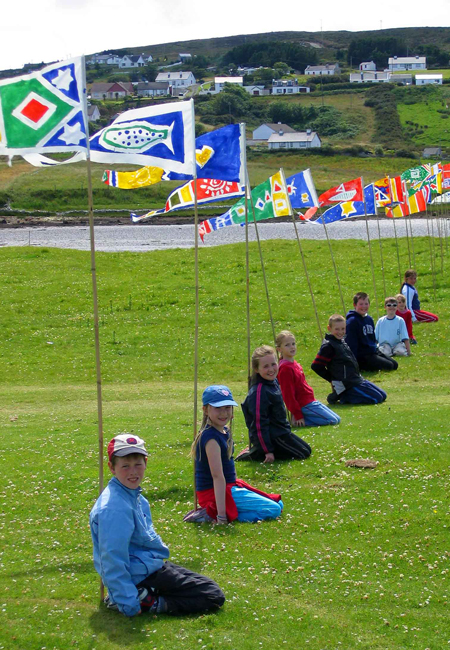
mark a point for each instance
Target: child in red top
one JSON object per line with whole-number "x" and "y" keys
{"x": 297, "y": 393}
{"x": 406, "y": 315}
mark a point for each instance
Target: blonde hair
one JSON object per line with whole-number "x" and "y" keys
{"x": 400, "y": 298}
{"x": 280, "y": 338}
{"x": 206, "y": 422}
{"x": 389, "y": 298}
{"x": 258, "y": 354}
{"x": 335, "y": 318}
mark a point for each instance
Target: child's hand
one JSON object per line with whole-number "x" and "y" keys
{"x": 269, "y": 458}
{"x": 299, "y": 423}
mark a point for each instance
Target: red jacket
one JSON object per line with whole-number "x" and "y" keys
{"x": 296, "y": 391}
{"x": 407, "y": 317}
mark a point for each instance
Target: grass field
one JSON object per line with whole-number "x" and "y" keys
{"x": 359, "y": 558}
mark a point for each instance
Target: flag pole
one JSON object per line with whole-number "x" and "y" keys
{"x": 379, "y": 241}
{"x": 262, "y": 260}
{"x": 194, "y": 175}
{"x": 94, "y": 296}
{"x": 431, "y": 249}
{"x": 247, "y": 253}
{"x": 406, "y": 201}
{"x": 332, "y": 259}
{"x": 395, "y": 232}
{"x": 291, "y": 212}
{"x": 370, "y": 250}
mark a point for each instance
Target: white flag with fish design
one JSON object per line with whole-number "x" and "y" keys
{"x": 162, "y": 136}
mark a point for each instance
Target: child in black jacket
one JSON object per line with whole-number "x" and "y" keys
{"x": 265, "y": 415}
{"x": 336, "y": 363}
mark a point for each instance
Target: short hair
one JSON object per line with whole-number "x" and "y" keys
{"x": 335, "y": 318}
{"x": 389, "y": 298}
{"x": 258, "y": 354}
{"x": 114, "y": 457}
{"x": 281, "y": 336}
{"x": 410, "y": 273}
{"x": 401, "y": 297}
{"x": 361, "y": 295}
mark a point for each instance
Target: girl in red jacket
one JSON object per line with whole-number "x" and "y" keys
{"x": 298, "y": 395}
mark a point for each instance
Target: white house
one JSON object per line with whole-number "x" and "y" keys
{"x": 176, "y": 79}
{"x": 264, "y": 131}
{"x": 99, "y": 58}
{"x": 185, "y": 57}
{"x": 93, "y": 112}
{"x": 327, "y": 69}
{"x": 288, "y": 87}
{"x": 103, "y": 90}
{"x": 132, "y": 61}
{"x": 303, "y": 140}
{"x": 372, "y": 77}
{"x": 424, "y": 79}
{"x": 256, "y": 91}
{"x": 152, "y": 89}
{"x": 219, "y": 82}
{"x": 367, "y": 66}
{"x": 407, "y": 63}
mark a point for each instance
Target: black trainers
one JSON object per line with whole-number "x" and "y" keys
{"x": 333, "y": 398}
{"x": 149, "y": 602}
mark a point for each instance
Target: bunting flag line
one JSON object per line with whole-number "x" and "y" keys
{"x": 350, "y": 209}
{"x": 217, "y": 153}
{"x": 349, "y": 191}
{"x": 208, "y": 191}
{"x": 270, "y": 199}
{"x": 160, "y": 136}
{"x": 301, "y": 189}
{"x": 44, "y": 112}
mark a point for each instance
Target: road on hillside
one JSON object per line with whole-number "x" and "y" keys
{"x": 141, "y": 238}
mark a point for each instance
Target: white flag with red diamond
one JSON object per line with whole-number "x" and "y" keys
{"x": 43, "y": 112}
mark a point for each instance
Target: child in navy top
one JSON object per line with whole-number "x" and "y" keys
{"x": 412, "y": 299}
{"x": 297, "y": 393}
{"x": 222, "y": 497}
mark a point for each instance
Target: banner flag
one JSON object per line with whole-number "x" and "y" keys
{"x": 302, "y": 192}
{"x": 350, "y": 209}
{"x": 349, "y": 191}
{"x": 44, "y": 112}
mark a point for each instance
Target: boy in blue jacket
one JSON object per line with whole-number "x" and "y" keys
{"x": 129, "y": 555}
{"x": 360, "y": 337}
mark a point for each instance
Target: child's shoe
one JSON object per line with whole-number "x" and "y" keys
{"x": 110, "y": 604}
{"x": 197, "y": 516}
{"x": 333, "y": 398}
{"x": 413, "y": 341}
{"x": 149, "y": 602}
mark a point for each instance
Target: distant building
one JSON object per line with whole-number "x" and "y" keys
{"x": 93, "y": 113}
{"x": 176, "y": 79}
{"x": 407, "y": 63}
{"x": 152, "y": 89}
{"x": 432, "y": 152}
{"x": 264, "y": 131}
{"x": 288, "y": 87}
{"x": 424, "y": 79}
{"x": 302, "y": 140}
{"x": 327, "y": 69}
{"x": 370, "y": 77}
{"x": 256, "y": 91}
{"x": 114, "y": 90}
{"x": 367, "y": 66}
{"x": 219, "y": 82}
{"x": 405, "y": 79}
{"x": 132, "y": 61}
{"x": 185, "y": 57}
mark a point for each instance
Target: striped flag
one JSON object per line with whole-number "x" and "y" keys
{"x": 397, "y": 190}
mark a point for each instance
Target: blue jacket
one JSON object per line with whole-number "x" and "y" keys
{"x": 412, "y": 298}
{"x": 126, "y": 546}
{"x": 360, "y": 335}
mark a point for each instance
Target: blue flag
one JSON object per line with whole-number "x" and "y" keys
{"x": 302, "y": 192}
{"x": 350, "y": 208}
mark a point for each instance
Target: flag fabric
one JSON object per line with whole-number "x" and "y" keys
{"x": 302, "y": 192}
{"x": 44, "y": 112}
{"x": 160, "y": 136}
{"x": 416, "y": 175}
{"x": 349, "y": 191}
{"x": 208, "y": 191}
{"x": 382, "y": 192}
{"x": 217, "y": 153}
{"x": 349, "y": 209}
{"x": 417, "y": 200}
{"x": 396, "y": 190}
{"x": 446, "y": 177}
{"x": 270, "y": 199}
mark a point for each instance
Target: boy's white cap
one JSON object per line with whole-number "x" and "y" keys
{"x": 125, "y": 444}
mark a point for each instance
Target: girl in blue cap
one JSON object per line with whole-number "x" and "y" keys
{"x": 221, "y": 496}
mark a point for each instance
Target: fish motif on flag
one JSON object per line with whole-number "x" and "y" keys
{"x": 44, "y": 112}
{"x": 208, "y": 191}
{"x": 136, "y": 136}
{"x": 349, "y": 191}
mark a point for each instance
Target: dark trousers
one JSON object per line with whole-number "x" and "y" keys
{"x": 363, "y": 393}
{"x": 378, "y": 361}
{"x": 286, "y": 447}
{"x": 184, "y": 591}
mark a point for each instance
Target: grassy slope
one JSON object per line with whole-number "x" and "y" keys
{"x": 359, "y": 559}
{"x": 435, "y": 125}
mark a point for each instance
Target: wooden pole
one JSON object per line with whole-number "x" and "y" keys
{"x": 291, "y": 212}
{"x": 194, "y": 421}
{"x": 431, "y": 252}
{"x": 433, "y": 266}
{"x": 94, "y": 297}
{"x": 262, "y": 262}
{"x": 332, "y": 259}
{"x": 395, "y": 235}
{"x": 381, "y": 249}
{"x": 412, "y": 243}
{"x": 370, "y": 251}
{"x": 247, "y": 252}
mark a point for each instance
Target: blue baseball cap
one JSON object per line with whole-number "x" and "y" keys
{"x": 218, "y": 396}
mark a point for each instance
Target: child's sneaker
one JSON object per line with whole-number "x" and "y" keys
{"x": 197, "y": 516}
{"x": 149, "y": 602}
{"x": 333, "y": 398}
{"x": 413, "y": 341}
{"x": 110, "y": 604}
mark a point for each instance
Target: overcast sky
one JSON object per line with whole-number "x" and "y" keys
{"x": 49, "y": 30}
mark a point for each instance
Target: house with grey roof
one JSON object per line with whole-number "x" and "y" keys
{"x": 264, "y": 131}
{"x": 327, "y": 69}
{"x": 402, "y": 63}
{"x": 299, "y": 140}
{"x": 176, "y": 79}
{"x": 152, "y": 88}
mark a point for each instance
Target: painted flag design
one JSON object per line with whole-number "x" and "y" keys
{"x": 155, "y": 136}
{"x": 446, "y": 177}
{"x": 43, "y": 112}
{"x": 382, "y": 192}
{"x": 350, "y": 208}
{"x": 208, "y": 191}
{"x": 417, "y": 200}
{"x": 349, "y": 191}
{"x": 396, "y": 190}
{"x": 416, "y": 174}
{"x": 302, "y": 192}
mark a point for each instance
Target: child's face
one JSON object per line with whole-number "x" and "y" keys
{"x": 337, "y": 329}
{"x": 219, "y": 416}
{"x": 391, "y": 308}
{"x": 268, "y": 367}
{"x": 288, "y": 347}
{"x": 401, "y": 304}
{"x": 412, "y": 279}
{"x": 129, "y": 470}
{"x": 362, "y": 306}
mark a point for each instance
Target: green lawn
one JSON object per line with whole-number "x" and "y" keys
{"x": 359, "y": 558}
